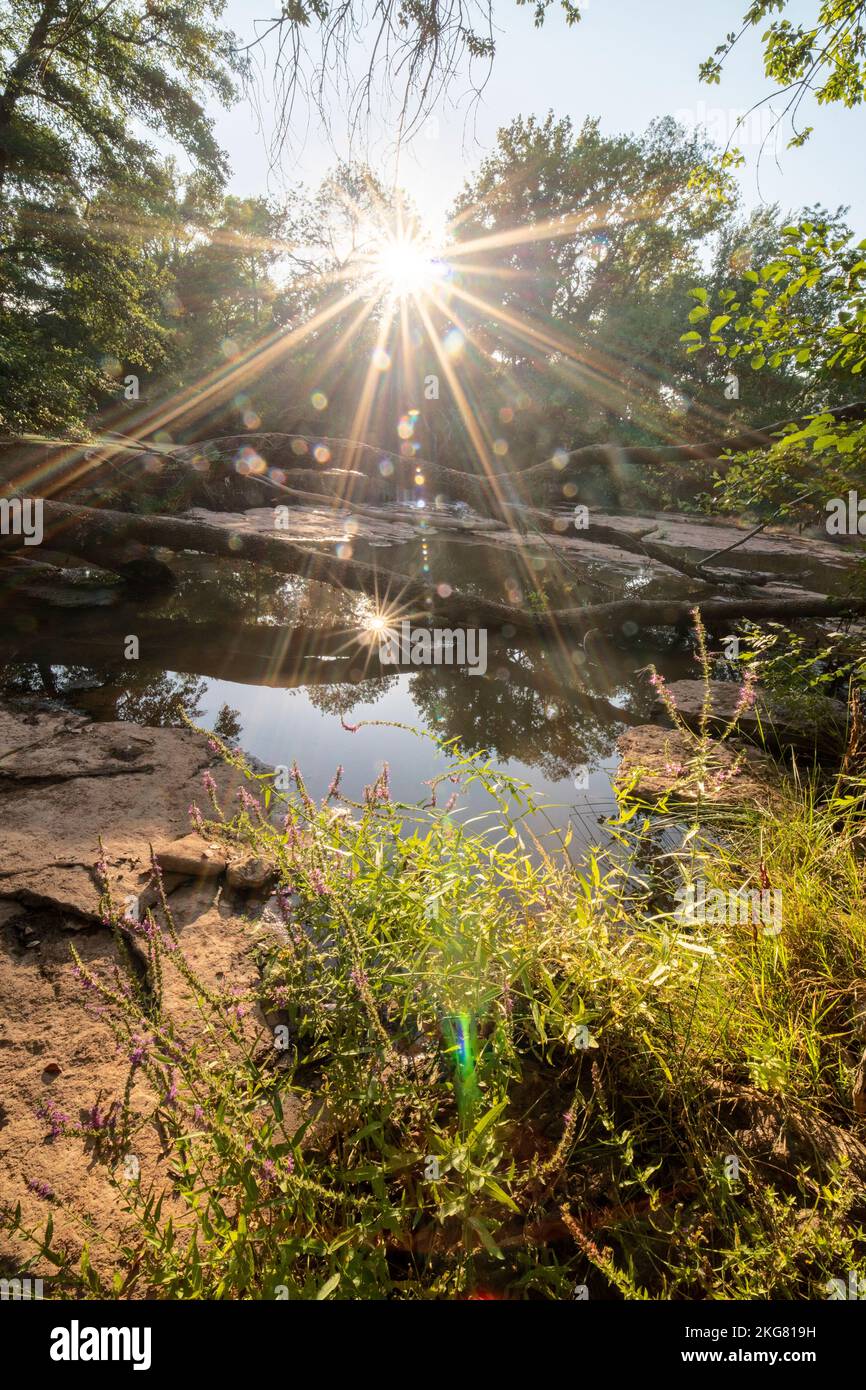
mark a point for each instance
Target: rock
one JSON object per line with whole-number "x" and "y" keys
{"x": 42, "y": 999}
{"x": 250, "y": 874}
{"x": 128, "y": 786}
{"x": 784, "y": 1138}
{"x": 658, "y": 762}
{"x": 822, "y": 722}
{"x": 192, "y": 857}
{"x": 773, "y": 549}
{"x": 74, "y": 748}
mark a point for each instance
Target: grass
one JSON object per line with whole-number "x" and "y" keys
{"x": 483, "y": 1073}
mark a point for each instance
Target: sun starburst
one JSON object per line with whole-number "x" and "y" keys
{"x": 405, "y": 266}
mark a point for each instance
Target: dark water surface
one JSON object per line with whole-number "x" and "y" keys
{"x": 282, "y": 663}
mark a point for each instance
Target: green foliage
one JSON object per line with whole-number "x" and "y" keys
{"x": 799, "y": 670}
{"x": 586, "y": 243}
{"x": 771, "y": 318}
{"x": 825, "y": 56}
{"x": 575, "y": 1067}
{"x": 84, "y": 194}
{"x": 803, "y": 312}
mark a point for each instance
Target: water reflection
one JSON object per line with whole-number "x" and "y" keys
{"x": 277, "y": 663}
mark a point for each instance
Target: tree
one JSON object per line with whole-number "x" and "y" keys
{"x": 223, "y": 277}
{"x": 825, "y": 57}
{"x": 334, "y": 293}
{"x": 577, "y": 248}
{"x": 804, "y": 308}
{"x": 82, "y": 189}
{"x": 801, "y": 308}
{"x": 413, "y": 48}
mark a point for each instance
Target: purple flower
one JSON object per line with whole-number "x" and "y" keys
{"x": 140, "y": 1049}
{"x": 55, "y": 1117}
{"x": 195, "y": 816}
{"x": 171, "y": 1094}
{"x": 40, "y": 1188}
{"x": 208, "y": 782}
{"x": 383, "y": 785}
{"x": 239, "y": 1009}
{"x": 145, "y": 927}
{"x": 84, "y": 979}
{"x": 317, "y": 883}
{"x": 350, "y": 728}
{"x": 99, "y": 1119}
{"x": 747, "y": 696}
{"x": 286, "y": 900}
{"x": 335, "y": 784}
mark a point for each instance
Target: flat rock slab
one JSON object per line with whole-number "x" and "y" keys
{"x": 82, "y": 750}
{"x": 55, "y": 1048}
{"x": 807, "y": 564}
{"x": 821, "y": 722}
{"x": 658, "y": 763}
{"x": 66, "y": 782}
{"x": 322, "y": 525}
{"x": 131, "y": 787}
{"x": 707, "y": 534}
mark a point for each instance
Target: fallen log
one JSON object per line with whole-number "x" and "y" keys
{"x": 211, "y": 475}
{"x": 99, "y": 536}
{"x": 496, "y": 489}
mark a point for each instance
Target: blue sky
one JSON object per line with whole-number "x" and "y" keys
{"x": 627, "y": 62}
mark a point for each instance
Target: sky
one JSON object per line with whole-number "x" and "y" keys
{"x": 627, "y": 62}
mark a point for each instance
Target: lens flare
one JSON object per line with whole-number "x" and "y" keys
{"x": 459, "y": 1030}
{"x": 405, "y": 266}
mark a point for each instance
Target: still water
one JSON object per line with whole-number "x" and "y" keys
{"x": 284, "y": 665}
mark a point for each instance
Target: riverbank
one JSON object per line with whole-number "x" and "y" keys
{"x": 422, "y": 1067}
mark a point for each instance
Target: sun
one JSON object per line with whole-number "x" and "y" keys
{"x": 406, "y": 266}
